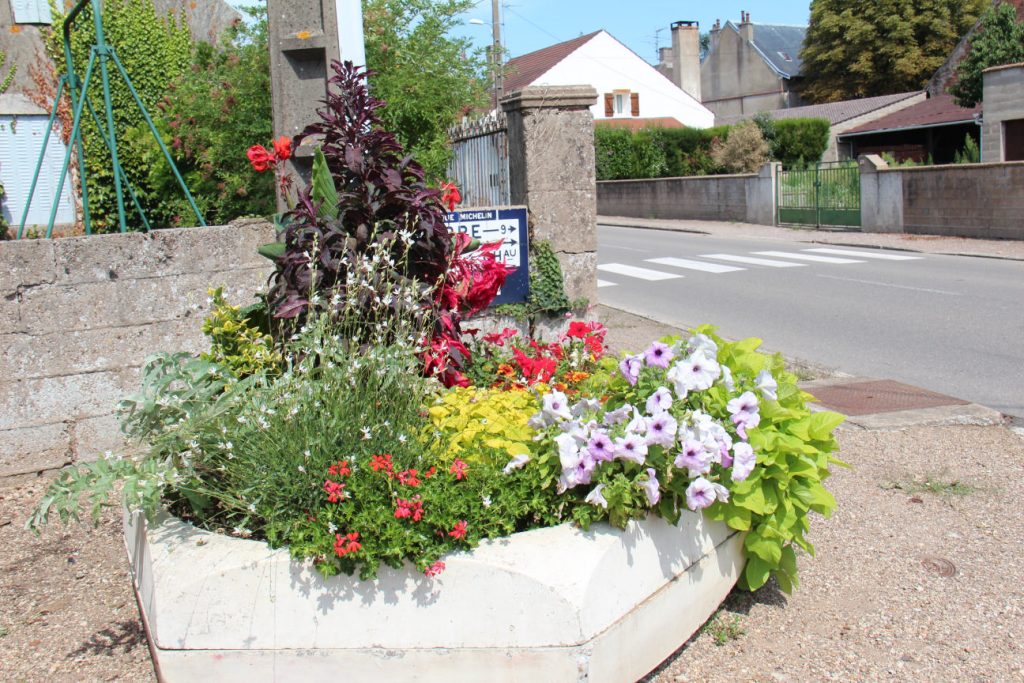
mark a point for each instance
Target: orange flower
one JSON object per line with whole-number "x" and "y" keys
{"x": 506, "y": 370}
{"x": 560, "y": 386}
{"x": 576, "y": 376}
{"x": 283, "y": 147}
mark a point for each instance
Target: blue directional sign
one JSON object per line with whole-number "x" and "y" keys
{"x": 509, "y": 226}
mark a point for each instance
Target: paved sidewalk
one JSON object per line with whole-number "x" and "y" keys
{"x": 928, "y": 244}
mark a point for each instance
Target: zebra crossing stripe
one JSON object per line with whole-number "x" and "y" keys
{"x": 754, "y": 261}
{"x": 807, "y": 257}
{"x": 604, "y": 283}
{"x": 694, "y": 265}
{"x": 633, "y": 271}
{"x": 885, "y": 256}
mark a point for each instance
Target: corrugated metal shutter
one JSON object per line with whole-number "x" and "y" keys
{"x": 21, "y": 138}
{"x": 31, "y": 12}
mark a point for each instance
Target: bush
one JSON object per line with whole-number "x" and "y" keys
{"x": 969, "y": 154}
{"x": 744, "y": 151}
{"x": 622, "y": 154}
{"x": 799, "y": 142}
{"x": 210, "y": 115}
{"x": 154, "y": 51}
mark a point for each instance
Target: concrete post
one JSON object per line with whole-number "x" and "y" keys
{"x": 881, "y": 195}
{"x": 551, "y": 163}
{"x": 304, "y": 37}
{"x": 761, "y": 193}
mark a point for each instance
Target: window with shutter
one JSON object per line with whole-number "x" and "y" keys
{"x": 634, "y": 103}
{"x": 31, "y": 12}
{"x": 609, "y": 105}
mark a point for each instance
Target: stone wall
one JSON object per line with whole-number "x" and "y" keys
{"x": 967, "y": 200}
{"x": 80, "y": 315}
{"x": 748, "y": 198}
{"x": 552, "y": 171}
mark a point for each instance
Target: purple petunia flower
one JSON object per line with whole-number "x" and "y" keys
{"x": 744, "y": 460}
{"x": 631, "y": 447}
{"x": 650, "y": 487}
{"x": 658, "y": 355}
{"x": 700, "y": 494}
{"x": 694, "y": 458}
{"x": 630, "y": 367}
{"x": 600, "y": 447}
{"x": 661, "y": 430}
{"x": 767, "y": 385}
{"x": 617, "y": 416}
{"x": 595, "y": 497}
{"x": 659, "y": 401}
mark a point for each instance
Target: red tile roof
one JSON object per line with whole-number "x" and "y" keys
{"x": 524, "y": 70}
{"x": 935, "y": 111}
{"x": 639, "y": 123}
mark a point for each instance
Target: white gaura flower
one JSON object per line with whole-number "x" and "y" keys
{"x": 596, "y": 498}
{"x": 767, "y": 385}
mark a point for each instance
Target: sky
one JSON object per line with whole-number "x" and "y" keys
{"x": 529, "y": 25}
{"x": 643, "y": 25}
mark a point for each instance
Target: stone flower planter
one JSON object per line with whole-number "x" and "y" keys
{"x": 555, "y": 604}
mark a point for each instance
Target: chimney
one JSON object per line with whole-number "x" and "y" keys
{"x": 746, "y": 28}
{"x": 713, "y": 35}
{"x": 686, "y": 56}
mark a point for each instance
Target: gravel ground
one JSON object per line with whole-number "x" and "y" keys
{"x": 918, "y": 575}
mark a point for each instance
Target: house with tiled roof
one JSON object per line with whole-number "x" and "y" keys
{"x": 750, "y": 68}
{"x": 631, "y": 92}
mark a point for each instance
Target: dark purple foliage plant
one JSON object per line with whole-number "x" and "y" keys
{"x": 375, "y": 194}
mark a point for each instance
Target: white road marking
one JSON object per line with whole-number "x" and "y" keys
{"x": 633, "y": 271}
{"x": 889, "y": 284}
{"x": 806, "y": 257}
{"x": 885, "y": 256}
{"x": 605, "y": 283}
{"x": 754, "y": 261}
{"x": 694, "y": 265}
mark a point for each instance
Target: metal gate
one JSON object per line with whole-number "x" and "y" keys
{"x": 828, "y": 194}
{"x": 479, "y": 165}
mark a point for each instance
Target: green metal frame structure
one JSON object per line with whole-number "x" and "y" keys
{"x": 826, "y": 195}
{"x": 103, "y": 54}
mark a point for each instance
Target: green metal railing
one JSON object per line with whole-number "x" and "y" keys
{"x": 826, "y": 195}
{"x": 78, "y": 91}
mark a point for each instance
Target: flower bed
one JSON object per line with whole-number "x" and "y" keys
{"x": 352, "y": 417}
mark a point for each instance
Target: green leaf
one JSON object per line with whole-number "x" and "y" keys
{"x": 737, "y": 517}
{"x": 768, "y": 549}
{"x": 324, "y": 193}
{"x": 756, "y": 574}
{"x": 272, "y": 251}
{"x": 822, "y": 424}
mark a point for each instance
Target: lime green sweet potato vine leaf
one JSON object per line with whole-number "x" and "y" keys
{"x": 795, "y": 449}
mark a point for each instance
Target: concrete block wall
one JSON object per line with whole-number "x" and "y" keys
{"x": 748, "y": 198}
{"x": 80, "y": 315}
{"x": 966, "y": 200}
{"x": 1004, "y": 101}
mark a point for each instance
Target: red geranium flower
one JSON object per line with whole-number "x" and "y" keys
{"x": 459, "y": 531}
{"x": 434, "y": 569}
{"x": 459, "y": 469}
{"x": 339, "y": 469}
{"x": 343, "y": 545}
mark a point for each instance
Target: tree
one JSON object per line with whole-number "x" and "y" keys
{"x": 1000, "y": 40}
{"x": 743, "y": 151}
{"x": 864, "y": 48}
{"x": 428, "y": 78}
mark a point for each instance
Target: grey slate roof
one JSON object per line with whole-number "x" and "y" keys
{"x": 837, "y": 112}
{"x": 779, "y": 45}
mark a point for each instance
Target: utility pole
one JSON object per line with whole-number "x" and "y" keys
{"x": 496, "y": 51}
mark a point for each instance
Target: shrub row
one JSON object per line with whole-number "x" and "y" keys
{"x": 672, "y": 152}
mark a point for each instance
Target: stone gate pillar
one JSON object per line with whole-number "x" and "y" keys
{"x": 551, "y": 163}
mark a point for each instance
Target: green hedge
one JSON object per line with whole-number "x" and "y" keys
{"x": 673, "y": 152}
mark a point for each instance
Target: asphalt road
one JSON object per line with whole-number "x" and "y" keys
{"x": 952, "y": 324}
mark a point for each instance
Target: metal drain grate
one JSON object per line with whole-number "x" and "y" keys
{"x": 883, "y": 396}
